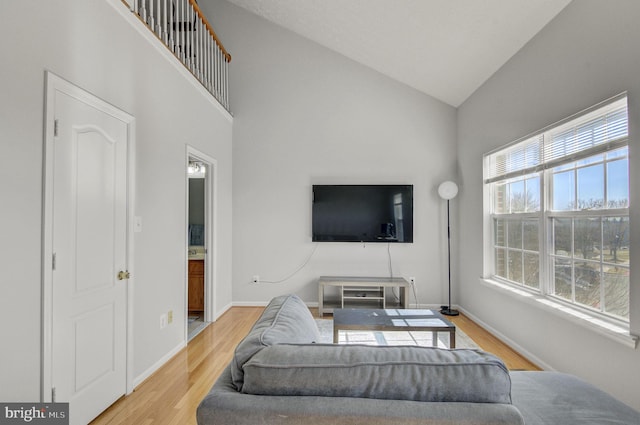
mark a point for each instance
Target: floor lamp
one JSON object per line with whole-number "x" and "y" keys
{"x": 448, "y": 190}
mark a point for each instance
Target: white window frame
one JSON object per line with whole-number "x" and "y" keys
{"x": 544, "y": 296}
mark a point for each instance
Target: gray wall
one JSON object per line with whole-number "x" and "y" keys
{"x": 91, "y": 45}
{"x": 305, "y": 115}
{"x": 587, "y": 54}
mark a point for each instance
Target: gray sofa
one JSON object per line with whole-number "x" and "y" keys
{"x": 279, "y": 375}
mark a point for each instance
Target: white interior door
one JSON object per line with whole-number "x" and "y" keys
{"x": 89, "y": 249}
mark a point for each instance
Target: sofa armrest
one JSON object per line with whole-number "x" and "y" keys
{"x": 286, "y": 319}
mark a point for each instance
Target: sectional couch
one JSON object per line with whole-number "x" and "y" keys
{"x": 280, "y": 375}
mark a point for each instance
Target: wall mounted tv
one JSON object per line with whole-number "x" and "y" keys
{"x": 362, "y": 213}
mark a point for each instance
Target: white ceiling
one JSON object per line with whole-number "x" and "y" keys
{"x": 444, "y": 48}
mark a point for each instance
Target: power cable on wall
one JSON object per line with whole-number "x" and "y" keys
{"x": 415, "y": 294}
{"x": 289, "y": 276}
{"x": 310, "y": 256}
{"x": 390, "y": 265}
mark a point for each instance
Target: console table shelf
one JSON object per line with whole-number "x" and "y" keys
{"x": 364, "y": 292}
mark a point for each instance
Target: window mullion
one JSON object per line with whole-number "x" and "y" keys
{"x": 605, "y": 163}
{"x": 602, "y": 288}
{"x": 522, "y": 269}
{"x": 573, "y": 260}
{"x": 544, "y": 233}
{"x": 506, "y": 249}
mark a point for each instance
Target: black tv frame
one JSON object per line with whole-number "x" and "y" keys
{"x": 362, "y": 213}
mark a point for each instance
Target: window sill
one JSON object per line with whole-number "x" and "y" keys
{"x": 592, "y": 322}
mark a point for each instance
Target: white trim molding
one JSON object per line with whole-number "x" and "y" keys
{"x": 157, "y": 365}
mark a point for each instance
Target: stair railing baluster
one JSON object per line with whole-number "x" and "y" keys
{"x": 172, "y": 42}
{"x": 199, "y": 56}
{"x": 182, "y": 27}
{"x": 165, "y": 19}
{"x": 151, "y": 21}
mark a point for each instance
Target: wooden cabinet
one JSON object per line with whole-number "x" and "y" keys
{"x": 196, "y": 285}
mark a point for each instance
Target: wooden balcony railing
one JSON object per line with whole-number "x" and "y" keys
{"x": 183, "y": 28}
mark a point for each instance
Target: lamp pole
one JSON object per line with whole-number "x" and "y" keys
{"x": 448, "y": 190}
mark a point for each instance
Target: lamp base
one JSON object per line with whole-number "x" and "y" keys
{"x": 449, "y": 311}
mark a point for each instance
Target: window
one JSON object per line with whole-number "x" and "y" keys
{"x": 559, "y": 204}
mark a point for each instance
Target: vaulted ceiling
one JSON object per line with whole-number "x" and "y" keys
{"x": 444, "y": 48}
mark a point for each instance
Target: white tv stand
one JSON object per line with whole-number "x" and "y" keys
{"x": 363, "y": 292}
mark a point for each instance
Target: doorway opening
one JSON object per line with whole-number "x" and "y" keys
{"x": 200, "y": 235}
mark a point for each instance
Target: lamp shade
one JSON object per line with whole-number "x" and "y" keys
{"x": 448, "y": 190}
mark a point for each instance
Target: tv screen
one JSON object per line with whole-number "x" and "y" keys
{"x": 362, "y": 213}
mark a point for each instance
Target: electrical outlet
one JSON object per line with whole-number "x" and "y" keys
{"x": 256, "y": 279}
{"x": 163, "y": 321}
{"x": 412, "y": 280}
{"x": 170, "y": 317}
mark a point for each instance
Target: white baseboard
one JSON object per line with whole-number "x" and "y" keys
{"x": 157, "y": 365}
{"x": 315, "y": 304}
{"x": 164, "y": 359}
{"x": 511, "y": 343}
{"x": 263, "y": 304}
{"x": 250, "y": 303}
{"x": 435, "y": 307}
{"x": 222, "y": 311}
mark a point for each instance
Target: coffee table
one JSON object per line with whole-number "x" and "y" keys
{"x": 345, "y": 319}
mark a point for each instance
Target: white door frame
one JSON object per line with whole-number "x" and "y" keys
{"x": 211, "y": 235}
{"x": 53, "y": 84}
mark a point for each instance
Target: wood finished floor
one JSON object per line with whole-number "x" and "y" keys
{"x": 170, "y": 396}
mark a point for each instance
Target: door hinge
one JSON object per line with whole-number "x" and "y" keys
{"x": 55, "y": 128}
{"x": 53, "y": 394}
{"x": 53, "y": 261}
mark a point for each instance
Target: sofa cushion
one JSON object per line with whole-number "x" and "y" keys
{"x": 224, "y": 405}
{"x": 380, "y": 372}
{"x": 560, "y": 399}
{"x": 285, "y": 320}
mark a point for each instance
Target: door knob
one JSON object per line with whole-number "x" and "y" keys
{"x": 122, "y": 275}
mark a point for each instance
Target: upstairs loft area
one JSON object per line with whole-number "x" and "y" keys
{"x": 182, "y": 27}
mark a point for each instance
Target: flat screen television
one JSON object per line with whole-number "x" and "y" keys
{"x": 362, "y": 213}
